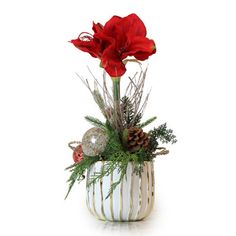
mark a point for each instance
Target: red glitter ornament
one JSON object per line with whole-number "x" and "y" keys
{"x": 78, "y": 155}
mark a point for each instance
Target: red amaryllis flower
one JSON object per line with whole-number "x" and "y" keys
{"x": 115, "y": 41}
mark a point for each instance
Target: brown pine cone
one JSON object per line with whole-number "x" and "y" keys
{"x": 137, "y": 139}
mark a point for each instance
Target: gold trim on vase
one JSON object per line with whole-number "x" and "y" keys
{"x": 140, "y": 197}
{"x": 149, "y": 201}
{"x": 153, "y": 186}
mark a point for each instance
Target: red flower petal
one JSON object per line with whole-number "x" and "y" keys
{"x": 140, "y": 47}
{"x": 110, "y": 26}
{"x": 86, "y": 46}
{"x": 97, "y": 27}
{"x": 104, "y": 40}
{"x": 133, "y": 26}
{"x": 112, "y": 63}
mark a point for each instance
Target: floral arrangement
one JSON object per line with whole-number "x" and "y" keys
{"x": 121, "y": 138}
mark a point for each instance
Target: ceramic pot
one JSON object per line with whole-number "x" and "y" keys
{"x": 132, "y": 200}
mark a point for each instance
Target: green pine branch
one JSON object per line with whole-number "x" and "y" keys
{"x": 78, "y": 170}
{"x": 96, "y": 122}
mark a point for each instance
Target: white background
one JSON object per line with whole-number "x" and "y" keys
{"x": 42, "y": 105}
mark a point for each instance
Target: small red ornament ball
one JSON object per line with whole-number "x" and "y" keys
{"x": 78, "y": 155}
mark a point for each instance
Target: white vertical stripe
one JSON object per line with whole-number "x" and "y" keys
{"x": 107, "y": 202}
{"x": 135, "y": 192}
{"x": 126, "y": 193}
{"x": 131, "y": 192}
{"x": 101, "y": 193}
{"x": 89, "y": 195}
{"x": 116, "y": 196}
{"x": 121, "y": 200}
{"x": 97, "y": 168}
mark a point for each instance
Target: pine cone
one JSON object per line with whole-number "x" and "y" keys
{"x": 137, "y": 139}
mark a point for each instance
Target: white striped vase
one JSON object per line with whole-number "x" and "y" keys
{"x": 132, "y": 200}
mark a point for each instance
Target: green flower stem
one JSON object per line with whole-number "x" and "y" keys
{"x": 116, "y": 97}
{"x": 116, "y": 88}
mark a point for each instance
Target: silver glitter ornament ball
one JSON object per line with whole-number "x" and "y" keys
{"x": 94, "y": 142}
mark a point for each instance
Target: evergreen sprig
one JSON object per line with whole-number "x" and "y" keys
{"x": 96, "y": 122}
{"x": 160, "y": 134}
{"x": 78, "y": 171}
{"x": 163, "y": 134}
